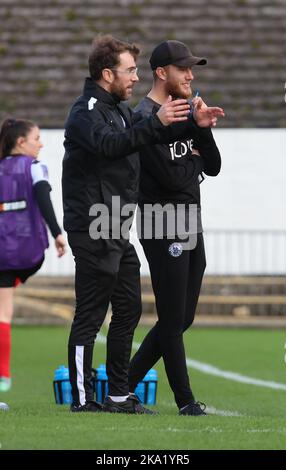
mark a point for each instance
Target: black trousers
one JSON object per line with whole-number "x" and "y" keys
{"x": 176, "y": 283}
{"x": 106, "y": 271}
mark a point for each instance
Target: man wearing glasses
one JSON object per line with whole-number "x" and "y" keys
{"x": 101, "y": 161}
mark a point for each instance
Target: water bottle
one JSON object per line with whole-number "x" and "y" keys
{"x": 146, "y": 389}
{"x": 101, "y": 383}
{"x": 62, "y": 386}
{"x": 151, "y": 380}
{"x": 140, "y": 391}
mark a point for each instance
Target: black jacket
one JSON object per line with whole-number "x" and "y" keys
{"x": 101, "y": 157}
{"x": 169, "y": 172}
{"x": 102, "y": 140}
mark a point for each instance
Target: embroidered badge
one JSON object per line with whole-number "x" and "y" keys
{"x": 175, "y": 249}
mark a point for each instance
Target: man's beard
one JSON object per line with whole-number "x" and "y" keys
{"x": 176, "y": 91}
{"x": 118, "y": 91}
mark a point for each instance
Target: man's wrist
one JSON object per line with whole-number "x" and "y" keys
{"x": 203, "y": 129}
{"x": 195, "y": 122}
{"x": 156, "y": 122}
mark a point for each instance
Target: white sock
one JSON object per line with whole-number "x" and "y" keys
{"x": 118, "y": 399}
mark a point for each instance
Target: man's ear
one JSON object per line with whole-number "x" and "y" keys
{"x": 161, "y": 73}
{"x": 108, "y": 75}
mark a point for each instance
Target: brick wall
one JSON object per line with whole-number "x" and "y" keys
{"x": 44, "y": 47}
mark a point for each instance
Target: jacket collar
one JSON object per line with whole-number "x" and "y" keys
{"x": 92, "y": 89}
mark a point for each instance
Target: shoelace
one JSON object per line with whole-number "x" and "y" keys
{"x": 200, "y": 404}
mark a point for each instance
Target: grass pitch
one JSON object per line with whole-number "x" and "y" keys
{"x": 242, "y": 416}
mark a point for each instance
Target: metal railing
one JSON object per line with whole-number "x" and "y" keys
{"x": 246, "y": 252}
{"x": 228, "y": 251}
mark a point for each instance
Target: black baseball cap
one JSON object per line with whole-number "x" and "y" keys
{"x": 175, "y": 53}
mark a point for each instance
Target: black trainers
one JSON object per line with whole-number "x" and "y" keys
{"x": 195, "y": 408}
{"x": 90, "y": 406}
{"x": 130, "y": 405}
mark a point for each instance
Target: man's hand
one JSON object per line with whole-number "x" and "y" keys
{"x": 205, "y": 116}
{"x": 173, "y": 111}
{"x": 60, "y": 245}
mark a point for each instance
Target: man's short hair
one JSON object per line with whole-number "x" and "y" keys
{"x": 105, "y": 52}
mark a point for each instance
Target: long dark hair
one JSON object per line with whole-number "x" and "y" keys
{"x": 10, "y": 131}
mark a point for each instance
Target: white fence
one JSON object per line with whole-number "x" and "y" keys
{"x": 248, "y": 252}
{"x": 234, "y": 252}
{"x": 243, "y": 209}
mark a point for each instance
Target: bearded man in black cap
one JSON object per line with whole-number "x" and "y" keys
{"x": 171, "y": 174}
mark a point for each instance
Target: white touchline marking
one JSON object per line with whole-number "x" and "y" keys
{"x": 212, "y": 370}
{"x": 282, "y": 430}
{"x": 214, "y": 411}
{"x": 210, "y": 429}
{"x": 207, "y": 429}
{"x": 211, "y": 410}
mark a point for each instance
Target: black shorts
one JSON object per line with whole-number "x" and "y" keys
{"x": 13, "y": 277}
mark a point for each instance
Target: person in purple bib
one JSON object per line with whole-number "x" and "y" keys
{"x": 25, "y": 210}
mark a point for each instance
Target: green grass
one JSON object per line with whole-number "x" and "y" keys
{"x": 36, "y": 422}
